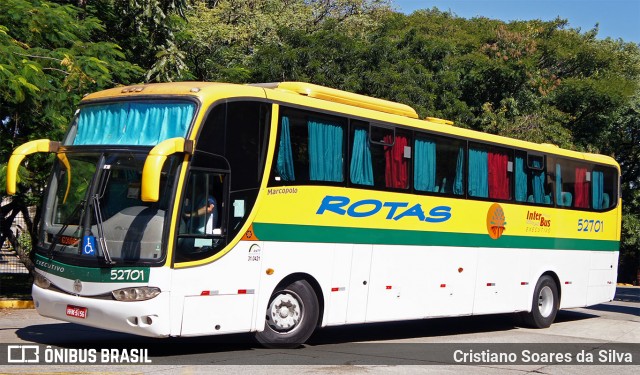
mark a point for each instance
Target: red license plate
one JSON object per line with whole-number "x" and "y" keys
{"x": 77, "y": 311}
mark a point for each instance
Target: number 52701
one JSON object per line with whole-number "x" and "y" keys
{"x": 589, "y": 225}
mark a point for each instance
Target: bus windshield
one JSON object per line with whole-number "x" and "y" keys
{"x": 95, "y": 213}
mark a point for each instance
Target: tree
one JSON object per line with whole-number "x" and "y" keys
{"x": 222, "y": 38}
{"x": 624, "y": 144}
{"x": 48, "y": 60}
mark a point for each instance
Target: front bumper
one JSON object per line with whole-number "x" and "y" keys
{"x": 145, "y": 318}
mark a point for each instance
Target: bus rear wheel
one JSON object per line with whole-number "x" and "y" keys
{"x": 291, "y": 316}
{"x": 544, "y": 306}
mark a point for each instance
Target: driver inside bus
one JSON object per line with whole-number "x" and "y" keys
{"x": 204, "y": 218}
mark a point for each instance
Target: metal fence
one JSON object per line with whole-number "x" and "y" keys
{"x": 15, "y": 279}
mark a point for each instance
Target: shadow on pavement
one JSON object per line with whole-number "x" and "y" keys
{"x": 71, "y": 335}
{"x": 627, "y": 294}
{"x": 572, "y": 316}
{"x": 430, "y": 327}
{"x": 413, "y": 329}
{"x": 630, "y": 310}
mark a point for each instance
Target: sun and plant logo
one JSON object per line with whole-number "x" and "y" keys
{"x": 496, "y": 222}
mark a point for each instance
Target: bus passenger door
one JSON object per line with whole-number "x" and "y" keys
{"x": 359, "y": 283}
{"x": 201, "y": 231}
{"x": 218, "y": 295}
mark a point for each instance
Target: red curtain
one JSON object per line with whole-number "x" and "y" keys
{"x": 498, "y": 176}
{"x": 396, "y": 166}
{"x": 581, "y": 188}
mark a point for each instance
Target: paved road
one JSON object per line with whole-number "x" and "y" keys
{"x": 630, "y": 294}
{"x": 390, "y": 348}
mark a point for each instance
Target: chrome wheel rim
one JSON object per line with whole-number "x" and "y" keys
{"x": 285, "y": 312}
{"x": 545, "y": 302}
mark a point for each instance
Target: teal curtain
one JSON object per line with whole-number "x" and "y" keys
{"x": 597, "y": 187}
{"x": 478, "y": 173}
{"x": 325, "y": 152}
{"x": 521, "y": 180}
{"x": 284, "y": 164}
{"x": 538, "y": 181}
{"x": 424, "y": 169}
{"x": 135, "y": 124}
{"x": 361, "y": 166}
{"x": 559, "y": 185}
{"x": 458, "y": 183}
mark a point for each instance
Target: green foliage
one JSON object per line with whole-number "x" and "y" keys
{"x": 530, "y": 80}
{"x": 24, "y": 178}
{"x": 145, "y": 30}
{"x": 222, "y": 38}
{"x": 546, "y": 125}
{"x": 623, "y": 142}
{"x": 24, "y": 241}
{"x": 629, "y": 247}
{"x": 49, "y": 58}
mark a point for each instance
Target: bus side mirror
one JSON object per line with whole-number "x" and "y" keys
{"x": 150, "y": 185}
{"x": 40, "y": 145}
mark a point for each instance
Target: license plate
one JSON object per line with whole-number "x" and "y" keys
{"x": 77, "y": 311}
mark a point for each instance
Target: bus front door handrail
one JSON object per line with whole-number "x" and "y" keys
{"x": 150, "y": 186}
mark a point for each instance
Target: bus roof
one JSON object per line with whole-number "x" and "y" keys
{"x": 334, "y": 99}
{"x": 169, "y": 88}
{"x": 344, "y": 97}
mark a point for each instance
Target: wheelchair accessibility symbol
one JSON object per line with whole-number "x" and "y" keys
{"x": 89, "y": 245}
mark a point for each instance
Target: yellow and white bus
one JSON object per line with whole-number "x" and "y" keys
{"x": 185, "y": 209}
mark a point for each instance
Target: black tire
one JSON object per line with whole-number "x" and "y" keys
{"x": 298, "y": 317}
{"x": 544, "y": 305}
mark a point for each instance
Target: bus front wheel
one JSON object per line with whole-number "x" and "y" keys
{"x": 291, "y": 316}
{"x": 544, "y": 306}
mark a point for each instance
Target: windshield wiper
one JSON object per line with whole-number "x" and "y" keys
{"x": 101, "y": 239}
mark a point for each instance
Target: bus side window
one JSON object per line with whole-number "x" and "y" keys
{"x": 200, "y": 216}
{"x": 390, "y": 154}
{"x": 603, "y": 188}
{"x": 438, "y": 165}
{"x": 528, "y": 177}
{"x": 572, "y": 184}
{"x": 531, "y": 183}
{"x": 310, "y": 148}
{"x": 490, "y": 170}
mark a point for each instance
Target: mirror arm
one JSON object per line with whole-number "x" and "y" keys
{"x": 32, "y": 147}
{"x": 150, "y": 186}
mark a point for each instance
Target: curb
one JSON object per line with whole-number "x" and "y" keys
{"x": 16, "y": 304}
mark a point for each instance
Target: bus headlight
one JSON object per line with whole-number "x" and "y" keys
{"x": 141, "y": 293}
{"x": 41, "y": 281}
